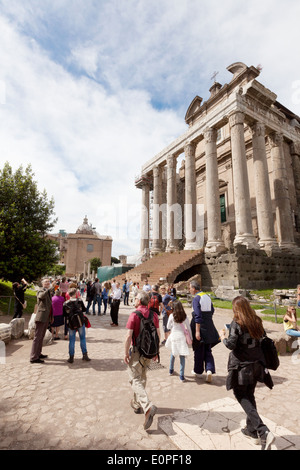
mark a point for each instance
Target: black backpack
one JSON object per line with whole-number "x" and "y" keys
{"x": 147, "y": 342}
{"x": 75, "y": 314}
{"x": 93, "y": 290}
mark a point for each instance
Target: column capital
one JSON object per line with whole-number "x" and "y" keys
{"x": 171, "y": 161}
{"x": 156, "y": 171}
{"x": 189, "y": 148}
{"x": 275, "y": 139}
{"x": 210, "y": 135}
{"x": 236, "y": 117}
{"x": 258, "y": 129}
{"x": 295, "y": 148}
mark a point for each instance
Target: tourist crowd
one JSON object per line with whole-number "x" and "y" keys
{"x": 66, "y": 303}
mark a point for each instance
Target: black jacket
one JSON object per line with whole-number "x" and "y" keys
{"x": 246, "y": 363}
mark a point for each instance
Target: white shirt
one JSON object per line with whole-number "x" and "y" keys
{"x": 117, "y": 293}
{"x": 147, "y": 288}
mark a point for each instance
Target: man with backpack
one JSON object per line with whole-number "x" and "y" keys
{"x": 141, "y": 347}
{"x": 155, "y": 302}
{"x": 74, "y": 312}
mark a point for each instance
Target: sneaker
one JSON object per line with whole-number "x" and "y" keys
{"x": 250, "y": 435}
{"x": 266, "y": 440}
{"x": 171, "y": 371}
{"x": 209, "y": 376}
{"x": 182, "y": 379}
{"x": 149, "y": 417}
{"x": 194, "y": 374}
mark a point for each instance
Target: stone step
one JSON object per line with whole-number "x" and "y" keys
{"x": 163, "y": 265}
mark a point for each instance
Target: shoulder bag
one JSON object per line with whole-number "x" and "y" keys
{"x": 270, "y": 353}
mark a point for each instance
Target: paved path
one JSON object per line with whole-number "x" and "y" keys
{"x": 57, "y": 405}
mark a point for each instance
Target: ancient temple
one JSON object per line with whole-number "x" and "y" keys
{"x": 237, "y": 190}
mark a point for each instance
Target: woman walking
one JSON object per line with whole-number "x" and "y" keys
{"x": 176, "y": 341}
{"x": 246, "y": 367}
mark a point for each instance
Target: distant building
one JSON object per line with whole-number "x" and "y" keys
{"x": 76, "y": 249}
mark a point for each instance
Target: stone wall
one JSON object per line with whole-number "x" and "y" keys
{"x": 251, "y": 269}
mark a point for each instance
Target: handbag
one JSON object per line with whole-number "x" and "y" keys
{"x": 24, "y": 305}
{"x": 270, "y": 353}
{"x": 86, "y": 321}
{"x": 188, "y": 338}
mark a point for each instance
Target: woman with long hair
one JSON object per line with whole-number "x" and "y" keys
{"x": 290, "y": 322}
{"x": 176, "y": 341}
{"x": 246, "y": 367}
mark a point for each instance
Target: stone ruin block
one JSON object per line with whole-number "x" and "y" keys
{"x": 5, "y": 332}
{"x": 17, "y": 327}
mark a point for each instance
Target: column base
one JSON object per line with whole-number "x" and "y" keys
{"x": 215, "y": 247}
{"x": 292, "y": 246}
{"x": 247, "y": 239}
{"x": 268, "y": 244}
{"x": 192, "y": 246}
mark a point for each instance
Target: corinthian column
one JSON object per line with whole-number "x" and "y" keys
{"x": 284, "y": 222}
{"x": 190, "y": 197}
{"x": 173, "y": 214}
{"x": 214, "y": 236}
{"x": 262, "y": 188}
{"x": 156, "y": 218}
{"x": 243, "y": 221}
{"x": 145, "y": 219}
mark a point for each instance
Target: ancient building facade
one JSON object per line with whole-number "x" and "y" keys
{"x": 239, "y": 181}
{"x": 76, "y": 249}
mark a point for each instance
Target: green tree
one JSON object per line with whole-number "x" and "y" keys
{"x": 95, "y": 264}
{"x": 25, "y": 218}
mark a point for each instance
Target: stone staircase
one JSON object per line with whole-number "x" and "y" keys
{"x": 163, "y": 265}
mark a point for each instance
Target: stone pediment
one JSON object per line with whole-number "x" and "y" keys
{"x": 193, "y": 109}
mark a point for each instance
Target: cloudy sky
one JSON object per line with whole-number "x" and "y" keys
{"x": 92, "y": 89}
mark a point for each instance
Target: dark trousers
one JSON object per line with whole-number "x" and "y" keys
{"x": 114, "y": 311}
{"x": 126, "y": 298}
{"x": 203, "y": 359}
{"x": 245, "y": 396}
{"x": 18, "y": 311}
{"x": 37, "y": 344}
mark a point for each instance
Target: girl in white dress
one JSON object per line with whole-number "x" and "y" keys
{"x": 176, "y": 341}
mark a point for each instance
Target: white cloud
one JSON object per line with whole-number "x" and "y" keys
{"x": 85, "y": 146}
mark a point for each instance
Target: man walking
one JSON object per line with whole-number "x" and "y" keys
{"x": 205, "y": 335}
{"x": 137, "y": 364}
{"x": 126, "y": 288}
{"x": 97, "y": 296}
{"x": 42, "y": 319}
{"x": 115, "y": 305}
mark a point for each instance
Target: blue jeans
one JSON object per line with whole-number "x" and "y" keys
{"x": 89, "y": 303}
{"x": 97, "y": 300}
{"x": 182, "y": 365}
{"x": 105, "y": 304}
{"x": 72, "y": 337}
{"x": 126, "y": 298}
{"x": 293, "y": 332}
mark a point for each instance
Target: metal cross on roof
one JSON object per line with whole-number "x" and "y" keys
{"x": 214, "y": 76}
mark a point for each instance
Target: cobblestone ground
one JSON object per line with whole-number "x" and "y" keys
{"x": 58, "y": 405}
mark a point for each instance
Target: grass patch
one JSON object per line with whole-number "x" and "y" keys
{"x": 272, "y": 319}
{"x": 7, "y": 305}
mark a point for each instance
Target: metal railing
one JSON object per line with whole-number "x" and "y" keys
{"x": 10, "y": 297}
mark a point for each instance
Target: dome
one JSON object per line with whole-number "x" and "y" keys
{"x": 86, "y": 228}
